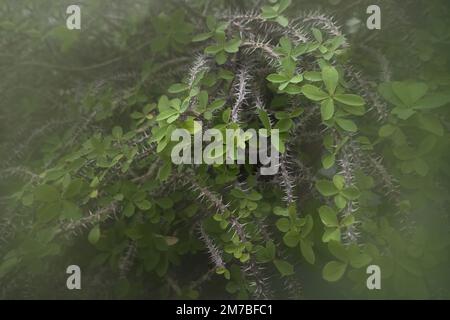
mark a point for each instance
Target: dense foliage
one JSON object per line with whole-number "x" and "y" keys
{"x": 87, "y": 177}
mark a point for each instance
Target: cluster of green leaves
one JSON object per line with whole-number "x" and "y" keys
{"x": 275, "y": 11}
{"x": 116, "y": 191}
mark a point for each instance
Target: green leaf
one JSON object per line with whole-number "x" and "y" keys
{"x": 328, "y": 216}
{"x": 166, "y": 114}
{"x": 435, "y": 100}
{"x": 279, "y": 211}
{"x": 284, "y": 125}
{"x": 348, "y": 221}
{"x": 277, "y": 78}
{"x": 386, "y": 130}
{"x": 314, "y": 93}
{"x": 46, "y": 193}
{"x": 313, "y": 76}
{"x": 347, "y": 125}
{"x": 291, "y": 239}
{"x": 360, "y": 260}
{"x": 94, "y": 235}
{"x": 338, "y": 250}
{"x": 283, "y": 5}
{"x": 284, "y": 267}
{"x": 178, "y": 87}
{"x": 409, "y": 93}
{"x": 326, "y": 188}
{"x": 307, "y": 227}
{"x": 48, "y": 212}
{"x": 70, "y": 210}
{"x": 264, "y": 117}
{"x": 232, "y": 46}
{"x": 226, "y": 115}
{"x": 431, "y": 123}
{"x": 317, "y": 34}
{"x": 307, "y": 251}
{"x": 330, "y": 234}
{"x": 221, "y": 57}
{"x": 173, "y": 118}
{"x": 293, "y": 89}
{"x": 211, "y": 22}
{"x": 117, "y": 132}
{"x": 328, "y": 161}
{"x": 271, "y": 249}
{"x": 338, "y": 181}
{"x": 128, "y": 211}
{"x": 282, "y": 21}
{"x": 355, "y": 110}
{"x": 334, "y": 270}
{"x": 265, "y": 254}
{"x": 327, "y": 109}
{"x": 202, "y": 37}
{"x": 269, "y": 12}
{"x": 350, "y": 99}
{"x": 165, "y": 203}
{"x": 340, "y": 201}
{"x": 330, "y": 77}
{"x": 144, "y": 204}
{"x": 164, "y": 171}
{"x": 283, "y": 224}
{"x": 285, "y": 44}
{"x": 351, "y": 193}
{"x": 385, "y": 89}
{"x": 403, "y": 113}
{"x": 421, "y": 167}
{"x": 215, "y": 49}
{"x": 297, "y": 78}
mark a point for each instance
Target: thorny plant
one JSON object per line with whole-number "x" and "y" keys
{"x": 146, "y": 217}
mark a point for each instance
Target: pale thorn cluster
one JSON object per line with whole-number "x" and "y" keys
{"x": 215, "y": 253}
{"x": 241, "y": 91}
